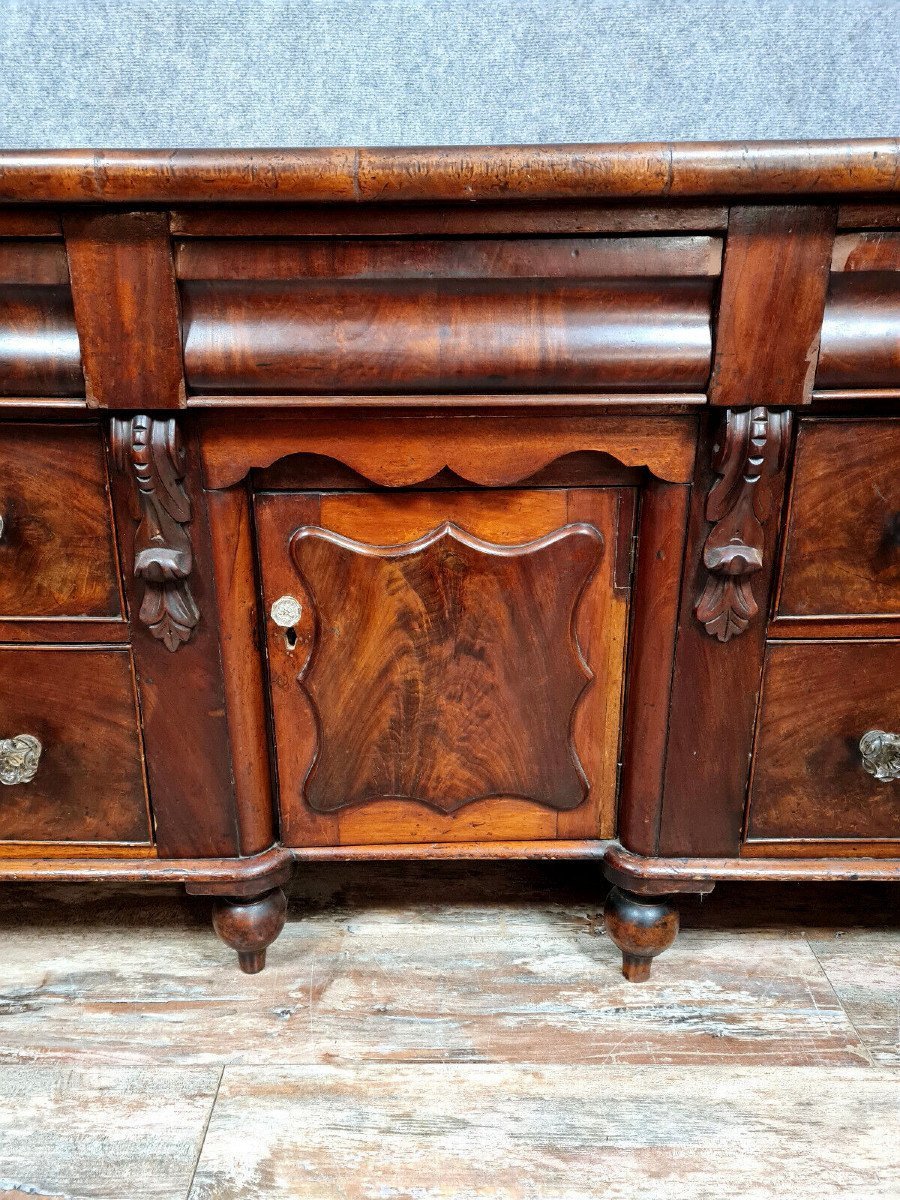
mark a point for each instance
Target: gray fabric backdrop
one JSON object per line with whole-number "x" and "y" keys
{"x": 383, "y": 72}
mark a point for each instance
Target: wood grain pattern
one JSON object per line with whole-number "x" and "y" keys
{"x": 871, "y": 997}
{"x": 417, "y": 646}
{"x": 715, "y": 686}
{"x": 446, "y": 335}
{"x": 39, "y": 349}
{"x": 440, "y": 963}
{"x": 80, "y": 704}
{"x": 655, "y": 876}
{"x": 126, "y": 308}
{"x": 613, "y": 171}
{"x": 57, "y": 557}
{"x": 662, "y": 532}
{"x": 861, "y": 332}
{"x": 102, "y": 1132}
{"x": 201, "y": 876}
{"x": 182, "y": 694}
{"x": 842, "y": 545}
{"x": 230, "y": 526}
{"x": 401, "y": 452}
{"x": 489, "y": 218}
{"x": 446, "y": 258}
{"x": 774, "y": 281}
{"x": 412, "y": 1130}
{"x": 36, "y": 222}
{"x": 106, "y": 1056}
{"x": 866, "y": 251}
{"x": 808, "y": 779}
{"x": 24, "y": 260}
{"x": 501, "y": 517}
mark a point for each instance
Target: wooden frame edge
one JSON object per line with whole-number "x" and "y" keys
{"x": 661, "y": 876}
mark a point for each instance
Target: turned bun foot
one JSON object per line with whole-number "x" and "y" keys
{"x": 250, "y": 925}
{"x": 642, "y": 927}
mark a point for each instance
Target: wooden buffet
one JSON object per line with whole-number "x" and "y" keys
{"x": 466, "y": 503}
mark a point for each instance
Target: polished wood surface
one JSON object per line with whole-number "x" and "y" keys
{"x": 842, "y": 548}
{"x": 579, "y": 461}
{"x": 774, "y": 281}
{"x": 80, "y": 704}
{"x": 315, "y": 335}
{"x": 126, "y": 309}
{"x": 494, "y": 217}
{"x": 471, "y": 705}
{"x": 185, "y": 725}
{"x": 861, "y": 331}
{"x": 443, "y": 258}
{"x": 57, "y": 554}
{"x": 29, "y": 261}
{"x": 39, "y": 350}
{"x": 715, "y": 684}
{"x": 473, "y": 173}
{"x": 492, "y": 451}
{"x": 415, "y": 647}
{"x": 808, "y": 776}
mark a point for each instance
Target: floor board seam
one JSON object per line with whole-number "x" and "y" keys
{"x": 862, "y": 1045}
{"x": 212, "y": 1106}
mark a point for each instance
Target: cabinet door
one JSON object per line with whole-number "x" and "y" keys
{"x": 448, "y": 665}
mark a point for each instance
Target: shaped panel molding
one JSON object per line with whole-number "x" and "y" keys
{"x": 445, "y": 670}
{"x": 751, "y": 450}
{"x": 150, "y": 451}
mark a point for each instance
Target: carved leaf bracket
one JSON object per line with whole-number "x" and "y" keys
{"x": 150, "y": 451}
{"x": 751, "y": 452}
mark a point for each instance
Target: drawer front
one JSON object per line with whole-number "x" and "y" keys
{"x": 39, "y": 349}
{"x": 842, "y": 553}
{"x": 445, "y": 666}
{"x": 80, "y": 778}
{"x": 57, "y": 555}
{"x": 447, "y": 314}
{"x": 809, "y": 780}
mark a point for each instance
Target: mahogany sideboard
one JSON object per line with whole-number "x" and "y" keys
{"x": 466, "y": 503}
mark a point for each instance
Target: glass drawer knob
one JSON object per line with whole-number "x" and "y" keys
{"x": 20, "y": 757}
{"x": 880, "y": 754}
{"x": 286, "y": 612}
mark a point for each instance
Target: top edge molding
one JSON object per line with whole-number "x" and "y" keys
{"x": 654, "y": 171}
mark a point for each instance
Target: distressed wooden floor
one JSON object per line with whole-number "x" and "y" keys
{"x": 455, "y": 1031}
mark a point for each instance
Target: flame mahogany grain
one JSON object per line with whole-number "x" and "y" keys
{"x": 515, "y": 427}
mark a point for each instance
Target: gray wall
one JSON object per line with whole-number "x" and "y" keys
{"x": 383, "y": 72}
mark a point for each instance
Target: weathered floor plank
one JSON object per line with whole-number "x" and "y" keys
{"x": 551, "y": 1133}
{"x": 399, "y": 962}
{"x": 104, "y": 1133}
{"x": 863, "y": 967}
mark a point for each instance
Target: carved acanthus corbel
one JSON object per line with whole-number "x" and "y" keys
{"x": 150, "y": 452}
{"x": 750, "y": 453}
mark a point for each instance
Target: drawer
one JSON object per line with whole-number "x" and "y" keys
{"x": 57, "y": 555}
{"x": 447, "y": 315}
{"x": 39, "y": 349}
{"x": 446, "y": 666}
{"x": 818, "y": 700}
{"x": 80, "y": 706}
{"x": 842, "y": 551}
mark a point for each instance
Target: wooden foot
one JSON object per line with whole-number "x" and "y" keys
{"x": 250, "y": 925}
{"x": 642, "y": 927}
